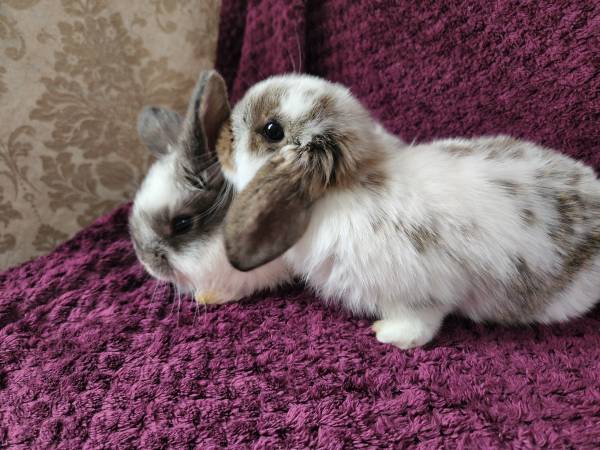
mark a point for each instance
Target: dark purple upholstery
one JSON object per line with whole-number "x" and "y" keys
{"x": 94, "y": 355}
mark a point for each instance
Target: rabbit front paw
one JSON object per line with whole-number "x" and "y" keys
{"x": 407, "y": 332}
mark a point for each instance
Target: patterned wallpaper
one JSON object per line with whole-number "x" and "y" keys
{"x": 73, "y": 76}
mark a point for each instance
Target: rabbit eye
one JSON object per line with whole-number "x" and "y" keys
{"x": 273, "y": 131}
{"x": 182, "y": 224}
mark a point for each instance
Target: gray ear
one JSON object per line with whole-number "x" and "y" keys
{"x": 207, "y": 112}
{"x": 158, "y": 128}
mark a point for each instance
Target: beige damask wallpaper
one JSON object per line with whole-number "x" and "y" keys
{"x": 73, "y": 76}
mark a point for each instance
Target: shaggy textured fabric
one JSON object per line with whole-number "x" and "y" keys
{"x": 94, "y": 354}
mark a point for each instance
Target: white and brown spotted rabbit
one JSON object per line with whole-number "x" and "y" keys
{"x": 494, "y": 228}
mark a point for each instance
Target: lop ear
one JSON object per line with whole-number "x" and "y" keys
{"x": 273, "y": 211}
{"x": 207, "y": 112}
{"x": 158, "y": 128}
{"x": 269, "y": 216}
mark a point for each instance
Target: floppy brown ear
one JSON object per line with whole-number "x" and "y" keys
{"x": 269, "y": 216}
{"x": 273, "y": 211}
{"x": 208, "y": 110}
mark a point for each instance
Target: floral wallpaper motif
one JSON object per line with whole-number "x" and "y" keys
{"x": 73, "y": 76}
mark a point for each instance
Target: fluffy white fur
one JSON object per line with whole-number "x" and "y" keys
{"x": 207, "y": 271}
{"x": 352, "y": 253}
{"x": 158, "y": 189}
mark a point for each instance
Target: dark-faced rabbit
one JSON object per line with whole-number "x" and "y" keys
{"x": 177, "y": 215}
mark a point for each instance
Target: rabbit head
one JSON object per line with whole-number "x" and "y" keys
{"x": 181, "y": 203}
{"x": 295, "y": 138}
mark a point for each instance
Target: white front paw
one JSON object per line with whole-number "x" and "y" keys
{"x": 404, "y": 333}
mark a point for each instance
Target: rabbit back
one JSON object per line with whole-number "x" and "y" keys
{"x": 496, "y": 228}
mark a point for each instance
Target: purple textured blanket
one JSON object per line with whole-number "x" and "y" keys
{"x": 94, "y": 354}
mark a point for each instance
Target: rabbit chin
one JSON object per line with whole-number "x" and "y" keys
{"x": 160, "y": 275}
{"x": 178, "y": 279}
{"x": 208, "y": 270}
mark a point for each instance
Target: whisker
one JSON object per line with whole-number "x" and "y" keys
{"x": 178, "y": 304}
{"x": 291, "y": 60}
{"x": 220, "y": 202}
{"x": 300, "y": 59}
{"x": 195, "y": 304}
{"x": 414, "y": 140}
{"x": 212, "y": 165}
{"x": 208, "y": 175}
{"x": 198, "y": 156}
{"x": 167, "y": 286}
{"x": 173, "y": 290}
{"x": 156, "y": 284}
{"x": 202, "y": 165}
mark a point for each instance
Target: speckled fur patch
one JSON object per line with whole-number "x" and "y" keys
{"x": 528, "y": 216}
{"x": 569, "y": 212}
{"x": 510, "y": 187}
{"x": 460, "y": 150}
{"x": 422, "y": 237}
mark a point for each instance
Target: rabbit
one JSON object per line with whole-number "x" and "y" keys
{"x": 177, "y": 214}
{"x": 493, "y": 228}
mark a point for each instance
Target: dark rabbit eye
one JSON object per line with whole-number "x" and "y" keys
{"x": 182, "y": 224}
{"x": 273, "y": 131}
